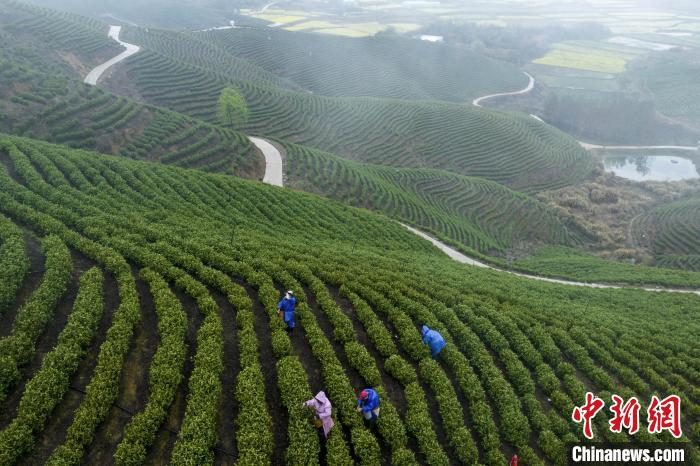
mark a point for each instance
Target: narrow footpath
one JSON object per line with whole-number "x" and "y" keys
{"x": 99, "y": 70}
{"x": 530, "y": 86}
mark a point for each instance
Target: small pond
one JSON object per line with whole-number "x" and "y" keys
{"x": 651, "y": 167}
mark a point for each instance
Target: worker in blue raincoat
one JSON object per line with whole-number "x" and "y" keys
{"x": 286, "y": 308}
{"x": 434, "y": 340}
{"x": 368, "y": 405}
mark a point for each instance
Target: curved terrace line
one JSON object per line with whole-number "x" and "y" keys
{"x": 274, "y": 176}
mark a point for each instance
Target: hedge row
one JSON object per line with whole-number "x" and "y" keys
{"x": 49, "y": 385}
{"x": 18, "y": 348}
{"x": 165, "y": 373}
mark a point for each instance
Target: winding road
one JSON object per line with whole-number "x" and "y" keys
{"x": 274, "y": 175}
{"x": 99, "y": 70}
{"x": 463, "y": 259}
{"x": 530, "y": 86}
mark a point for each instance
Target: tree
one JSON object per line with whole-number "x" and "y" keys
{"x": 233, "y": 110}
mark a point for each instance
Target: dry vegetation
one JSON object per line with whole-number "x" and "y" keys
{"x": 604, "y": 207}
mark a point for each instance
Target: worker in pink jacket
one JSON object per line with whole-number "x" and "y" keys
{"x": 323, "y": 408}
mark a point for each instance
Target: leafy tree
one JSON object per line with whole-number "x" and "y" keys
{"x": 233, "y": 110}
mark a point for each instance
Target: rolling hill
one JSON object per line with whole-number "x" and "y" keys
{"x": 185, "y": 72}
{"x": 389, "y": 66}
{"x": 42, "y": 95}
{"x": 480, "y": 215}
{"x": 672, "y": 233}
{"x": 670, "y": 78}
{"x": 504, "y": 147}
{"x": 173, "y": 276}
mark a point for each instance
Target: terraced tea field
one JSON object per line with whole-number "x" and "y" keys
{"x": 159, "y": 261}
{"x": 671, "y": 232}
{"x": 530, "y": 156}
{"x": 482, "y": 216}
{"x": 86, "y": 117}
{"x": 139, "y": 300}
{"x": 670, "y": 77}
{"x": 44, "y": 99}
{"x": 83, "y": 37}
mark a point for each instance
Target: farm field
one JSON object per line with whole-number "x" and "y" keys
{"x": 670, "y": 231}
{"x": 669, "y": 76}
{"x": 485, "y": 217}
{"x": 408, "y": 134}
{"x": 44, "y": 97}
{"x": 590, "y": 56}
{"x": 142, "y": 261}
{"x": 199, "y": 282}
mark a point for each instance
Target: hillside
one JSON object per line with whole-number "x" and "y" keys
{"x": 185, "y": 72}
{"x": 188, "y": 267}
{"x": 42, "y": 96}
{"x": 504, "y": 147}
{"x": 670, "y": 77}
{"x": 160, "y": 13}
{"x": 672, "y": 233}
{"x": 390, "y": 66}
{"x": 80, "y": 39}
{"x": 480, "y": 215}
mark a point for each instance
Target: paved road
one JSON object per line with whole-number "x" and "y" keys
{"x": 588, "y": 146}
{"x": 530, "y": 86}
{"x": 273, "y": 158}
{"x": 231, "y": 25}
{"x": 273, "y": 162}
{"x": 478, "y": 103}
{"x": 99, "y": 70}
{"x": 461, "y": 258}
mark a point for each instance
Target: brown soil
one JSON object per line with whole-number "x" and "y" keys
{"x": 47, "y": 341}
{"x": 280, "y": 417}
{"x": 356, "y": 380}
{"x": 392, "y": 387}
{"x": 165, "y": 439}
{"x": 78, "y": 66}
{"x": 302, "y": 350}
{"x": 30, "y": 284}
{"x": 430, "y": 399}
{"x": 119, "y": 82}
{"x": 226, "y": 452}
{"x": 59, "y": 421}
{"x": 133, "y": 385}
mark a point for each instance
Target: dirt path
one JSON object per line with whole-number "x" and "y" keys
{"x": 530, "y": 86}
{"x": 99, "y": 70}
